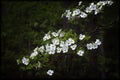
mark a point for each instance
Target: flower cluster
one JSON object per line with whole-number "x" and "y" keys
{"x": 94, "y": 45}
{"x": 97, "y": 7}
{"x": 77, "y": 12}
{"x": 60, "y": 42}
{"x": 35, "y": 53}
{"x": 58, "y": 45}
{"x": 83, "y": 14}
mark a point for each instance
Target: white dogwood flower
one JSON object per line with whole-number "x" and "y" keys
{"x": 100, "y": 3}
{"x": 62, "y": 34}
{"x": 89, "y": 46}
{"x": 47, "y": 48}
{"x": 41, "y": 49}
{"x": 68, "y": 13}
{"x": 110, "y": 2}
{"x": 35, "y": 49}
{"x": 83, "y": 15}
{"x": 94, "y": 46}
{"x": 67, "y": 42}
{"x": 52, "y": 47}
{"x": 73, "y": 47}
{"x": 54, "y": 34}
{"x": 92, "y": 6}
{"x": 76, "y": 12}
{"x": 62, "y": 43}
{"x": 50, "y": 72}
{"x": 71, "y": 40}
{"x": 80, "y": 52}
{"x": 88, "y": 10}
{"x": 25, "y": 61}
{"x": 55, "y": 41}
{"x": 65, "y": 48}
{"x": 96, "y": 11}
{"x": 98, "y": 42}
{"x": 81, "y": 36}
{"x": 51, "y": 52}
{"x": 59, "y": 50}
{"x": 47, "y": 36}
{"x": 33, "y": 54}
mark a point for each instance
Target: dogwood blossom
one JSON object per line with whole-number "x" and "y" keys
{"x": 92, "y": 7}
{"x": 76, "y": 12}
{"x": 47, "y": 36}
{"x": 94, "y": 46}
{"x": 65, "y": 48}
{"x": 62, "y": 34}
{"x": 98, "y": 42}
{"x": 41, "y": 49}
{"x": 73, "y": 47}
{"x": 88, "y": 10}
{"x": 105, "y": 2}
{"x": 55, "y": 41}
{"x": 81, "y": 36}
{"x": 62, "y": 43}
{"x": 110, "y": 2}
{"x": 67, "y": 42}
{"x": 35, "y": 49}
{"x": 71, "y": 41}
{"x": 50, "y": 49}
{"x": 101, "y": 3}
{"x": 59, "y": 50}
{"x": 47, "y": 48}
{"x": 25, "y": 61}
{"x": 68, "y": 13}
{"x": 54, "y": 34}
{"x": 80, "y": 52}
{"x": 51, "y": 52}
{"x": 89, "y": 46}
{"x": 96, "y": 11}
{"x": 82, "y": 15}
{"x": 50, "y": 72}
{"x": 33, "y": 54}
